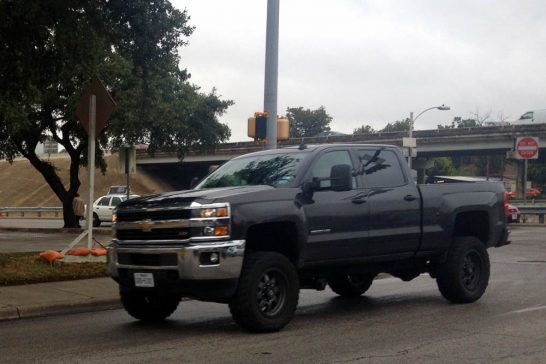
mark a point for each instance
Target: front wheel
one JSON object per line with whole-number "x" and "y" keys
{"x": 96, "y": 220}
{"x": 267, "y": 294}
{"x": 351, "y": 285}
{"x": 149, "y": 306}
{"x": 464, "y": 276}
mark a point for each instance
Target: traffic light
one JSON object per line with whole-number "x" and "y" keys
{"x": 261, "y": 125}
{"x": 257, "y": 127}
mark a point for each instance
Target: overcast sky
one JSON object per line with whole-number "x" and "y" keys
{"x": 372, "y": 62}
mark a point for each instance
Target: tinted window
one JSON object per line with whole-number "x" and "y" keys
{"x": 268, "y": 169}
{"x": 104, "y": 201}
{"x": 323, "y": 166}
{"x": 116, "y": 201}
{"x": 381, "y": 168}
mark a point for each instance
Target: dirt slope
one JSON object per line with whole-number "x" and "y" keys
{"x": 22, "y": 186}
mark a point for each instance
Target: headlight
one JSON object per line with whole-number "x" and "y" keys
{"x": 213, "y": 212}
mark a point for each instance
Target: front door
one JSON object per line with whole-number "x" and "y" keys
{"x": 337, "y": 221}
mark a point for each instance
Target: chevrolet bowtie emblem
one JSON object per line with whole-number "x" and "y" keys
{"x": 146, "y": 225}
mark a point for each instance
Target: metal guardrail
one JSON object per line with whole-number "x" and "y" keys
{"x": 32, "y": 211}
{"x": 539, "y": 211}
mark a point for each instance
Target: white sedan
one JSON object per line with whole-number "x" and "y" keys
{"x": 104, "y": 206}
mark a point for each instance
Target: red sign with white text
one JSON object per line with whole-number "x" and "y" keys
{"x": 527, "y": 148}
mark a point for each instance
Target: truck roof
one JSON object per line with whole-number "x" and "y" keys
{"x": 317, "y": 147}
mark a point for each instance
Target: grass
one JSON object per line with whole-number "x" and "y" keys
{"x": 27, "y": 268}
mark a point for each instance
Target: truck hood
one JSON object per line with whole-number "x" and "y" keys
{"x": 184, "y": 198}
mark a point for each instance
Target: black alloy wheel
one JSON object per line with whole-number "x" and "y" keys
{"x": 267, "y": 294}
{"x": 464, "y": 276}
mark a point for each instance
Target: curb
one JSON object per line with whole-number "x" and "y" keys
{"x": 59, "y": 308}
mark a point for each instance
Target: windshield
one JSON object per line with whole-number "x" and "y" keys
{"x": 268, "y": 169}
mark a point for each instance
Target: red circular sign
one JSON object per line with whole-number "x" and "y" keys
{"x": 527, "y": 148}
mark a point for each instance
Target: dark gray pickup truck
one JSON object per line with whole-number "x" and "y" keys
{"x": 266, "y": 224}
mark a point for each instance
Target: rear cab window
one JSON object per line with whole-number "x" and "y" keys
{"x": 380, "y": 168}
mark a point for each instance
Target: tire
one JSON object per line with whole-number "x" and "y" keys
{"x": 96, "y": 220}
{"x": 149, "y": 307}
{"x": 351, "y": 285}
{"x": 267, "y": 294}
{"x": 464, "y": 276}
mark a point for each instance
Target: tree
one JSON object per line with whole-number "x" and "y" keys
{"x": 443, "y": 166}
{"x": 364, "y": 129}
{"x": 459, "y": 122}
{"x": 306, "y": 122}
{"x": 398, "y": 125}
{"x": 55, "y": 48}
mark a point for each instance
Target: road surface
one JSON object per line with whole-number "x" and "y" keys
{"x": 395, "y": 322}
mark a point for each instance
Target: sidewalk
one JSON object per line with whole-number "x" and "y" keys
{"x": 44, "y": 299}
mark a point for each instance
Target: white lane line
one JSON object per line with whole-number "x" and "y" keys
{"x": 529, "y": 309}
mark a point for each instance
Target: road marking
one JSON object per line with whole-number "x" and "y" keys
{"x": 529, "y": 309}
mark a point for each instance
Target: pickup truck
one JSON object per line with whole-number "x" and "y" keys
{"x": 265, "y": 225}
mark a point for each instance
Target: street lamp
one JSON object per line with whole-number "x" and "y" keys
{"x": 412, "y": 120}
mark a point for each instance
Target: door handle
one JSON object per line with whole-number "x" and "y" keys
{"x": 410, "y": 198}
{"x": 358, "y": 200}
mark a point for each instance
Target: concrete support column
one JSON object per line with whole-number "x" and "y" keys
{"x": 421, "y": 165}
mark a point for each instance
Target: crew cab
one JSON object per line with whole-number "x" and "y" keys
{"x": 265, "y": 225}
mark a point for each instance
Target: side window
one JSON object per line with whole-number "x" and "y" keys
{"x": 116, "y": 201}
{"x": 104, "y": 201}
{"x": 381, "y": 168}
{"x": 323, "y": 166}
{"x": 527, "y": 115}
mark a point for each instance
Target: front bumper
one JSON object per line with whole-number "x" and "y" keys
{"x": 186, "y": 259}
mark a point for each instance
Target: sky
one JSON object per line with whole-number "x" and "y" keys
{"x": 373, "y": 62}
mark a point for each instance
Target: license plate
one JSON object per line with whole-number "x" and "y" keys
{"x": 144, "y": 280}
{"x": 514, "y": 216}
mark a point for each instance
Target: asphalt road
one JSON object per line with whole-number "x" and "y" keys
{"x": 39, "y": 240}
{"x": 394, "y": 322}
{"x": 41, "y": 223}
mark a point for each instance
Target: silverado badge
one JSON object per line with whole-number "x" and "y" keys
{"x": 146, "y": 225}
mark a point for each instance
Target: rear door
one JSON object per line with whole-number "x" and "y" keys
{"x": 337, "y": 221}
{"x": 394, "y": 202}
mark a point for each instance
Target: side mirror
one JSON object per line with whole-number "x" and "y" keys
{"x": 341, "y": 177}
{"x": 308, "y": 188}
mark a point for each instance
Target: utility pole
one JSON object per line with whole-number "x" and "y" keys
{"x": 271, "y": 71}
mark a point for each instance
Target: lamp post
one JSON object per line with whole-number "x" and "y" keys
{"x": 412, "y": 120}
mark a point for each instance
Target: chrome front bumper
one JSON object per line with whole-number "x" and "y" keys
{"x": 188, "y": 261}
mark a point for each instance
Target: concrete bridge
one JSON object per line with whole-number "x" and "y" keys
{"x": 493, "y": 140}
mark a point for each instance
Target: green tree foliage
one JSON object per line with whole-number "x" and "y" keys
{"x": 443, "y": 166}
{"x": 50, "y": 51}
{"x": 364, "y": 129}
{"x": 307, "y": 122}
{"x": 537, "y": 171}
{"x": 459, "y": 122}
{"x": 398, "y": 125}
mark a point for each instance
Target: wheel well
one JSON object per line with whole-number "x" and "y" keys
{"x": 280, "y": 237}
{"x": 473, "y": 223}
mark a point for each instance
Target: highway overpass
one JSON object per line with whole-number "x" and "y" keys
{"x": 493, "y": 140}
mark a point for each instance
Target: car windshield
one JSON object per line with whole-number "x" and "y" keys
{"x": 268, "y": 169}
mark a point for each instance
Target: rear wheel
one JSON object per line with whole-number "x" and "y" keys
{"x": 351, "y": 285}
{"x": 464, "y": 276}
{"x": 149, "y": 306}
{"x": 267, "y": 294}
